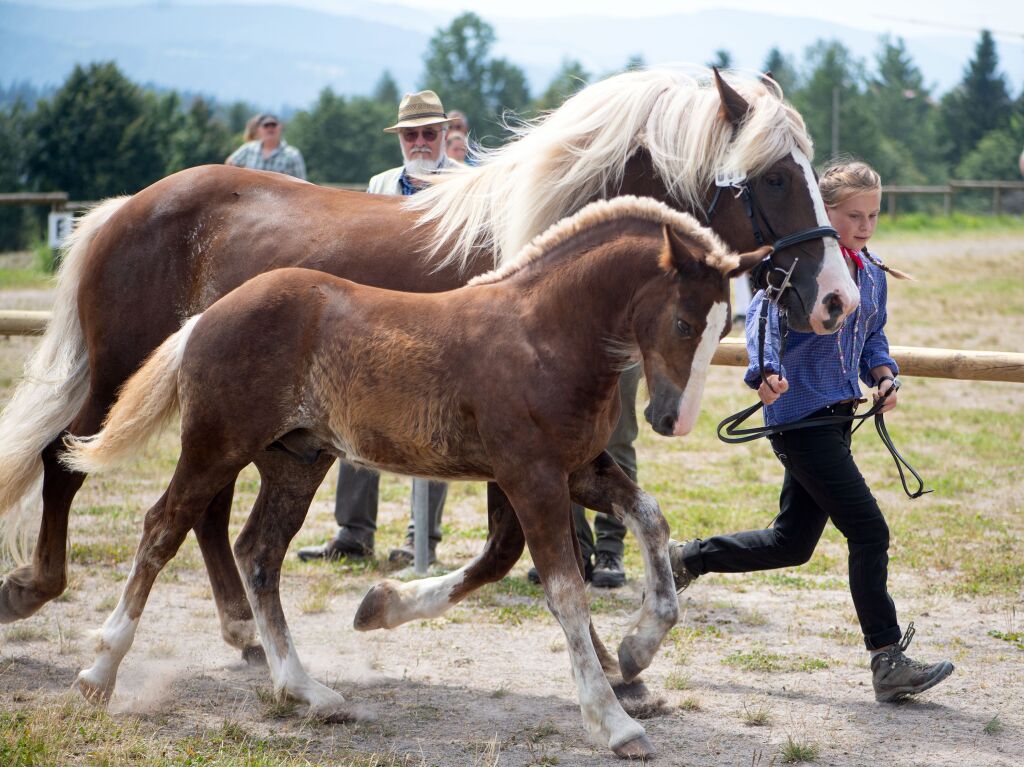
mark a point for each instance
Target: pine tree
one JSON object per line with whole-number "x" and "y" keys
{"x": 782, "y": 71}
{"x": 570, "y": 77}
{"x": 386, "y": 90}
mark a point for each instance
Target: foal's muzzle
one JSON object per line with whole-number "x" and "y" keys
{"x": 663, "y": 409}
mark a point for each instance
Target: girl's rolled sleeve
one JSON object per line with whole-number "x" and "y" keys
{"x": 752, "y": 377}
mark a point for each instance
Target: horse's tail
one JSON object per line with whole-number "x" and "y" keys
{"x": 56, "y": 379}
{"x": 144, "y": 406}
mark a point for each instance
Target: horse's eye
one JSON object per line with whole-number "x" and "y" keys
{"x": 774, "y": 180}
{"x": 684, "y": 329}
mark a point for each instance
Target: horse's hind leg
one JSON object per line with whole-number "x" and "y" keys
{"x": 26, "y": 589}
{"x": 604, "y": 487}
{"x": 392, "y": 603}
{"x": 286, "y": 490}
{"x": 166, "y": 525}
{"x": 236, "y": 622}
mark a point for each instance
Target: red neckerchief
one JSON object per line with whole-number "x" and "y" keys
{"x": 853, "y": 256}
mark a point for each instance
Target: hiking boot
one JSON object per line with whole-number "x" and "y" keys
{"x": 895, "y": 676}
{"x": 588, "y": 573}
{"x": 680, "y": 572}
{"x": 608, "y": 570}
{"x": 405, "y": 555}
{"x": 340, "y": 546}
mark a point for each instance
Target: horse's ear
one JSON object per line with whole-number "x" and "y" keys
{"x": 680, "y": 253}
{"x": 769, "y": 79}
{"x": 734, "y": 107}
{"x": 748, "y": 261}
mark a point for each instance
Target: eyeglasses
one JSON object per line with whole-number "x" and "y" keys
{"x": 269, "y": 125}
{"x": 429, "y": 134}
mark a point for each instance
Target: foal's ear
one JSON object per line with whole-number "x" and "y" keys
{"x": 734, "y": 107}
{"x": 748, "y": 261}
{"x": 680, "y": 253}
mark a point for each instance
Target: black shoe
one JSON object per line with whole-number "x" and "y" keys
{"x": 608, "y": 570}
{"x": 405, "y": 555}
{"x": 680, "y": 572}
{"x": 895, "y": 676}
{"x": 588, "y": 573}
{"x": 336, "y": 548}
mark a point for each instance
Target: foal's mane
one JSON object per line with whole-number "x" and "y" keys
{"x": 716, "y": 253}
{"x": 579, "y": 152}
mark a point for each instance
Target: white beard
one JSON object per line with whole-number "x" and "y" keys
{"x": 420, "y": 165}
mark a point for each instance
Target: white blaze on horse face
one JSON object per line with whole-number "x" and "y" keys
{"x": 834, "y": 279}
{"x": 689, "y": 402}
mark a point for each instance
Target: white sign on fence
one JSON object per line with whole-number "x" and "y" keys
{"x": 60, "y": 225}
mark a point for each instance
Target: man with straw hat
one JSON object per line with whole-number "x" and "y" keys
{"x": 421, "y": 128}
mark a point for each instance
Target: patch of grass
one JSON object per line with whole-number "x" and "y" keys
{"x": 274, "y": 706}
{"x": 759, "y": 660}
{"x": 23, "y": 633}
{"x": 757, "y": 714}
{"x": 678, "y": 681}
{"x": 924, "y": 224}
{"x": 318, "y": 596}
{"x": 502, "y": 691}
{"x": 793, "y": 751}
{"x": 993, "y": 726}
{"x": 24, "y": 279}
{"x": 1016, "y": 638}
{"x": 101, "y": 552}
{"x": 690, "y": 703}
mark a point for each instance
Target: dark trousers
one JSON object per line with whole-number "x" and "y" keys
{"x": 355, "y": 504}
{"x": 610, "y": 532}
{"x": 822, "y": 482}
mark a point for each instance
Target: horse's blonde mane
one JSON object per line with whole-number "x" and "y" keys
{"x": 716, "y": 253}
{"x": 579, "y": 152}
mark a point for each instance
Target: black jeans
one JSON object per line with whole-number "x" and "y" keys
{"x": 822, "y": 482}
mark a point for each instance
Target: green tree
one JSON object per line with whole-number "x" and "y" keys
{"x": 979, "y": 104}
{"x": 783, "y": 71}
{"x": 997, "y": 155}
{"x": 570, "y": 78}
{"x": 460, "y": 69}
{"x": 722, "y": 59}
{"x": 201, "y": 138}
{"x": 906, "y": 115}
{"x": 15, "y": 147}
{"x": 342, "y": 140}
{"x": 386, "y": 90}
{"x": 99, "y": 135}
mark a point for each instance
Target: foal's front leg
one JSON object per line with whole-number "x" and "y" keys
{"x": 601, "y": 485}
{"x": 539, "y": 498}
{"x": 286, "y": 490}
{"x": 392, "y": 603}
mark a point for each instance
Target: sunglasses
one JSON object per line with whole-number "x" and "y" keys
{"x": 429, "y": 134}
{"x": 269, "y": 125}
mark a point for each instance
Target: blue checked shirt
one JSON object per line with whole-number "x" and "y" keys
{"x": 284, "y": 159}
{"x": 823, "y": 370}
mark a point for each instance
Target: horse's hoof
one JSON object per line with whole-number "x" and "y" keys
{"x": 254, "y": 655}
{"x": 373, "y": 610}
{"x": 629, "y": 665}
{"x": 18, "y": 597}
{"x": 335, "y": 715}
{"x": 638, "y": 748}
{"x": 635, "y": 690}
{"x": 91, "y": 689}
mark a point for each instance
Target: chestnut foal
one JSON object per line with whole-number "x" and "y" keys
{"x": 511, "y": 379}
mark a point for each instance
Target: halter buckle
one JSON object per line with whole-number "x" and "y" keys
{"x": 726, "y": 177}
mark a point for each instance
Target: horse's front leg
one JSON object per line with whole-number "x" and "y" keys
{"x": 601, "y": 485}
{"x": 236, "y": 621}
{"x": 392, "y": 603}
{"x": 541, "y": 501}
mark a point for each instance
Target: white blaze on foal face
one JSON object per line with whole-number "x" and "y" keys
{"x": 689, "y": 402}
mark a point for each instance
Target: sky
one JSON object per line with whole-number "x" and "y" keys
{"x": 1005, "y": 18}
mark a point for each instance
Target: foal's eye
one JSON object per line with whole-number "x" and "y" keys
{"x": 774, "y": 180}
{"x": 684, "y": 329}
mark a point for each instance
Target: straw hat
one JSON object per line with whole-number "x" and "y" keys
{"x": 418, "y": 109}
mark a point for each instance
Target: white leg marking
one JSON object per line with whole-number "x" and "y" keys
{"x": 834, "y": 276}
{"x": 425, "y": 598}
{"x": 689, "y": 402}
{"x": 113, "y": 640}
{"x": 602, "y": 713}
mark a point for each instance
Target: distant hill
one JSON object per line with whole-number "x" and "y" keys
{"x": 275, "y": 56}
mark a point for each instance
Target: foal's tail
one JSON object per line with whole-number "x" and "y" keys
{"x": 56, "y": 380}
{"x": 144, "y": 406}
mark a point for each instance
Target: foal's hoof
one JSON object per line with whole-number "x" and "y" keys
{"x": 638, "y": 748}
{"x": 19, "y": 598}
{"x": 629, "y": 665}
{"x": 373, "y": 610}
{"x": 635, "y": 690}
{"x": 92, "y": 689}
{"x": 336, "y": 715}
{"x": 254, "y": 655}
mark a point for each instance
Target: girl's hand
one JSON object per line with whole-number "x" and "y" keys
{"x": 891, "y": 400}
{"x": 765, "y": 390}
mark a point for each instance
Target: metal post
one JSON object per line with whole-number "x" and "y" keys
{"x": 997, "y": 200}
{"x": 421, "y": 525}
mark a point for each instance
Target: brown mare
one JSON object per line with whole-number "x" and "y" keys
{"x": 139, "y": 266}
{"x": 512, "y": 379}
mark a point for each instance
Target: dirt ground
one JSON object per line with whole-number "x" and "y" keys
{"x": 756, "y": 667}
